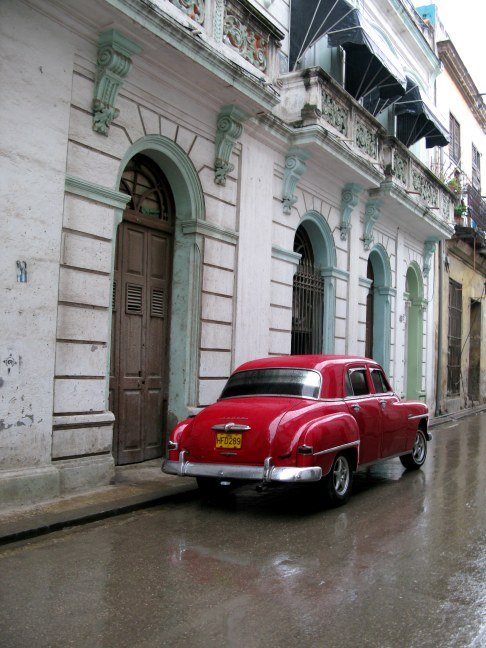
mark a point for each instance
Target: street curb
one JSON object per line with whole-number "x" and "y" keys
{"x": 82, "y": 517}
{"x": 454, "y": 416}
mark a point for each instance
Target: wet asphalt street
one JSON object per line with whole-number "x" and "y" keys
{"x": 402, "y": 564}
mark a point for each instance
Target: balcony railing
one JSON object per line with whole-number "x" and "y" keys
{"x": 470, "y": 205}
{"x": 312, "y": 97}
{"x": 476, "y": 208}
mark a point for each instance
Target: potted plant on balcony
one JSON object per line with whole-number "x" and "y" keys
{"x": 460, "y": 209}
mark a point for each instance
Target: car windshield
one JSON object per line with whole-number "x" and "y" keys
{"x": 274, "y": 382}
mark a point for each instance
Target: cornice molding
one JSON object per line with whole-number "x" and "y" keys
{"x": 463, "y": 80}
{"x": 95, "y": 192}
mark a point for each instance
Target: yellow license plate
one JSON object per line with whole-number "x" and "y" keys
{"x": 224, "y": 440}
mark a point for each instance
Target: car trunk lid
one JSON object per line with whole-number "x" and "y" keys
{"x": 238, "y": 430}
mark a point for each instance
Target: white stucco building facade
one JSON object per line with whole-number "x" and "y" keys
{"x": 157, "y": 173}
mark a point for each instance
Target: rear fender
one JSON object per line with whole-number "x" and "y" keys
{"x": 177, "y": 437}
{"x": 330, "y": 435}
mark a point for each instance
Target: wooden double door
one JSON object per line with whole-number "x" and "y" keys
{"x": 139, "y": 340}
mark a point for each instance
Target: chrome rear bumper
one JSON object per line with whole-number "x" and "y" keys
{"x": 265, "y": 473}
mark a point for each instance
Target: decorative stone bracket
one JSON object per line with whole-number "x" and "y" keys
{"x": 429, "y": 249}
{"x": 372, "y": 214}
{"x": 349, "y": 200}
{"x": 295, "y": 166}
{"x": 112, "y": 66}
{"x": 229, "y": 129}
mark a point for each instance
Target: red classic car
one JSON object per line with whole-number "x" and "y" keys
{"x": 309, "y": 418}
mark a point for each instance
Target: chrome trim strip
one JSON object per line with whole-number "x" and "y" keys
{"x": 268, "y": 473}
{"x": 231, "y": 427}
{"x": 336, "y": 448}
{"x": 411, "y": 417}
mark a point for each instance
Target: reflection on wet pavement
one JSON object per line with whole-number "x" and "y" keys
{"x": 402, "y": 564}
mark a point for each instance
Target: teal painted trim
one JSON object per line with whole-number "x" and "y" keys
{"x": 364, "y": 282}
{"x": 112, "y": 66}
{"x": 390, "y": 292}
{"x": 322, "y": 239}
{"x": 228, "y": 130}
{"x": 414, "y": 332}
{"x": 336, "y": 273}
{"x": 95, "y": 192}
{"x": 185, "y": 325}
{"x": 372, "y": 214}
{"x": 383, "y": 273}
{"x": 199, "y": 50}
{"x": 295, "y": 166}
{"x": 349, "y": 200}
{"x": 178, "y": 169}
{"x": 383, "y": 294}
{"x": 208, "y": 229}
{"x": 286, "y": 255}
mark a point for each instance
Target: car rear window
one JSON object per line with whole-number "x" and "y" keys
{"x": 274, "y": 382}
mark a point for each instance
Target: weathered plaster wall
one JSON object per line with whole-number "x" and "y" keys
{"x": 34, "y": 117}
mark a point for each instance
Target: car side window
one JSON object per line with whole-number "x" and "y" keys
{"x": 380, "y": 383}
{"x": 356, "y": 379}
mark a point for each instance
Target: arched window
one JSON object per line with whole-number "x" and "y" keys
{"x": 308, "y": 299}
{"x": 148, "y": 188}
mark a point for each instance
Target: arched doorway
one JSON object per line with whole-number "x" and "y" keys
{"x": 414, "y": 331}
{"x": 378, "y": 307}
{"x": 140, "y": 313}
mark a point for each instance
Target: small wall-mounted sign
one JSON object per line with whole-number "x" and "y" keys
{"x": 22, "y": 271}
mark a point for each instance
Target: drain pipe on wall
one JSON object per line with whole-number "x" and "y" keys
{"x": 438, "y": 379}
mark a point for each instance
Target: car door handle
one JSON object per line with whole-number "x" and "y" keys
{"x": 383, "y": 404}
{"x": 357, "y": 408}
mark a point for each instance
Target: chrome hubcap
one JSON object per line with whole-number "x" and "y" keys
{"x": 419, "y": 447}
{"x": 341, "y": 476}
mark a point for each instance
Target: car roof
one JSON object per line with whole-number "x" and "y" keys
{"x": 317, "y": 362}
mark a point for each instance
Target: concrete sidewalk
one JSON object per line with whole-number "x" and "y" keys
{"x": 136, "y": 486}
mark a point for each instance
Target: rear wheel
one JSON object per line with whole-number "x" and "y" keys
{"x": 416, "y": 458}
{"x": 337, "y": 484}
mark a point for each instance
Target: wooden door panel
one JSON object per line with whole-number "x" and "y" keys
{"x": 130, "y": 421}
{"x": 140, "y": 324}
{"x": 131, "y": 358}
{"x": 158, "y": 256}
{"x": 134, "y": 252}
{"x": 153, "y": 403}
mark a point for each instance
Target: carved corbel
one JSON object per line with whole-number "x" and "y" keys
{"x": 429, "y": 249}
{"x": 112, "y": 66}
{"x": 229, "y": 129}
{"x": 349, "y": 200}
{"x": 372, "y": 214}
{"x": 295, "y": 166}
